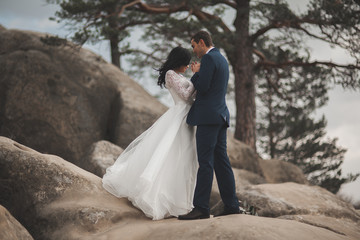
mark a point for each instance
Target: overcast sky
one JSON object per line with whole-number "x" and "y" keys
{"x": 341, "y": 111}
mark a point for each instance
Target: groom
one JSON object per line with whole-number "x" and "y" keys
{"x": 211, "y": 116}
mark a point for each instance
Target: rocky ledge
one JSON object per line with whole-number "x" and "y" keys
{"x": 54, "y": 199}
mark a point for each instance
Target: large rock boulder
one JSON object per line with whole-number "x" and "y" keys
{"x": 274, "y": 200}
{"x": 10, "y": 228}
{"x": 233, "y": 227}
{"x": 242, "y": 156}
{"x": 342, "y": 226}
{"x": 243, "y": 179}
{"x": 58, "y": 98}
{"x": 55, "y": 199}
{"x": 100, "y": 156}
{"x": 277, "y": 171}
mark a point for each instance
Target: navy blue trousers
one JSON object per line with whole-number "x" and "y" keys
{"x": 212, "y": 156}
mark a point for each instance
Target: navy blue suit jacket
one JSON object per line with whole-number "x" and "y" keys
{"x": 211, "y": 84}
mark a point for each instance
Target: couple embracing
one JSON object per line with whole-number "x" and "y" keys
{"x": 168, "y": 169}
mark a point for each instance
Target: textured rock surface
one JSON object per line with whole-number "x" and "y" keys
{"x": 277, "y": 171}
{"x": 10, "y": 228}
{"x": 240, "y": 227}
{"x": 55, "y": 199}
{"x": 341, "y": 226}
{"x": 274, "y": 200}
{"x": 101, "y": 155}
{"x": 60, "y": 99}
{"x": 243, "y": 179}
{"x": 242, "y": 156}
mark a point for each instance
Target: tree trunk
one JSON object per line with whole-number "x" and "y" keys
{"x": 242, "y": 62}
{"x": 271, "y": 134}
{"x": 114, "y": 43}
{"x": 115, "y": 53}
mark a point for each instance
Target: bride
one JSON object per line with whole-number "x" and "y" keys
{"x": 157, "y": 171}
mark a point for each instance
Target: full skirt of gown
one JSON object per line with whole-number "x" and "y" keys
{"x": 157, "y": 171}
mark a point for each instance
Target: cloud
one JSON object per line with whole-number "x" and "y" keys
{"x": 34, "y": 9}
{"x": 30, "y": 15}
{"x": 343, "y": 123}
{"x": 349, "y": 139}
{"x": 38, "y": 25}
{"x": 351, "y": 190}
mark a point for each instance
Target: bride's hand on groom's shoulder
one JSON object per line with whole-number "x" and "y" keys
{"x": 195, "y": 67}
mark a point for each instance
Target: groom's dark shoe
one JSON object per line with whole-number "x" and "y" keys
{"x": 228, "y": 211}
{"x": 194, "y": 214}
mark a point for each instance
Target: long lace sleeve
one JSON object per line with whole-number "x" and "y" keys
{"x": 183, "y": 87}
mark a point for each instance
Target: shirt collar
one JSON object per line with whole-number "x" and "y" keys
{"x": 209, "y": 50}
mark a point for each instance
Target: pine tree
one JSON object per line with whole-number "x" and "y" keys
{"x": 97, "y": 20}
{"x": 288, "y": 130}
{"x": 334, "y": 22}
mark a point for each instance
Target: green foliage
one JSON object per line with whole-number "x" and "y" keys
{"x": 97, "y": 20}
{"x": 175, "y": 30}
{"x": 287, "y": 129}
{"x": 273, "y": 12}
{"x": 337, "y": 22}
{"x": 53, "y": 41}
{"x": 94, "y": 20}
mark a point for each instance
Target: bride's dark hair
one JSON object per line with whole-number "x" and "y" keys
{"x": 178, "y": 57}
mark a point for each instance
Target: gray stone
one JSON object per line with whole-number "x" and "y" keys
{"x": 232, "y": 227}
{"x": 277, "y": 171}
{"x": 242, "y": 156}
{"x": 54, "y": 198}
{"x": 58, "y": 200}
{"x": 101, "y": 155}
{"x": 341, "y": 226}
{"x": 243, "y": 179}
{"x": 58, "y": 98}
{"x": 274, "y": 200}
{"x": 10, "y": 228}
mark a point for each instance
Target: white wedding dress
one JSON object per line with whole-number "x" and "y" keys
{"x": 157, "y": 171}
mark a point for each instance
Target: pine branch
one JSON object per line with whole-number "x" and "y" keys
{"x": 296, "y": 24}
{"x": 148, "y": 55}
{"x": 133, "y": 23}
{"x": 268, "y": 63}
{"x": 199, "y": 14}
{"x": 229, "y": 3}
{"x": 168, "y": 9}
{"x": 314, "y": 35}
{"x": 204, "y": 17}
{"x": 262, "y": 31}
{"x": 276, "y": 88}
{"x": 260, "y": 55}
{"x": 121, "y": 11}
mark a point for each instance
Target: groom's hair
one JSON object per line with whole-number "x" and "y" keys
{"x": 205, "y": 36}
